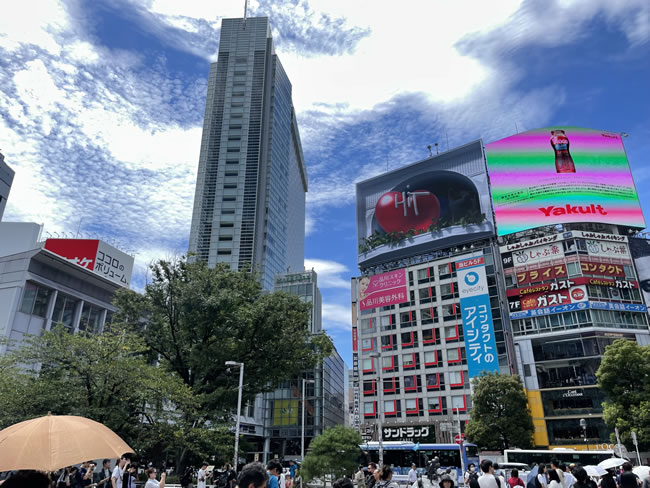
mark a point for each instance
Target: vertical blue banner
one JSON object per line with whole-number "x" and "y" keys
{"x": 478, "y": 328}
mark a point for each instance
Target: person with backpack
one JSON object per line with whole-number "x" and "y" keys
{"x": 514, "y": 479}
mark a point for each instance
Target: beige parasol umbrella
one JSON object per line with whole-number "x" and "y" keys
{"x": 55, "y": 441}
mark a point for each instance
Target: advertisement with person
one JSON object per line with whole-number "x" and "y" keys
{"x": 429, "y": 205}
{"x": 382, "y": 290}
{"x": 640, "y": 249}
{"x": 558, "y": 175}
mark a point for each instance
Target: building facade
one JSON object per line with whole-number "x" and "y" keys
{"x": 249, "y": 206}
{"x": 40, "y": 288}
{"x": 6, "y": 179}
{"x": 566, "y": 306}
{"x": 324, "y": 394}
{"x": 554, "y": 296}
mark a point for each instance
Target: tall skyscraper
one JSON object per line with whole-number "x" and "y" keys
{"x": 249, "y": 205}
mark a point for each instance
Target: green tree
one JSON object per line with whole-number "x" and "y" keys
{"x": 499, "y": 418}
{"x": 197, "y": 318}
{"x": 335, "y": 452}
{"x": 624, "y": 377}
{"x": 103, "y": 377}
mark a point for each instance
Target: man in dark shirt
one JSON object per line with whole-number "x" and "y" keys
{"x": 628, "y": 478}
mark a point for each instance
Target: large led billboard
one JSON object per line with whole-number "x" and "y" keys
{"x": 558, "y": 175}
{"x": 435, "y": 203}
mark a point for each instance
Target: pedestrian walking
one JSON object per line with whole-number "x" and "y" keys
{"x": 628, "y": 479}
{"x": 569, "y": 479}
{"x": 554, "y": 479}
{"x": 446, "y": 481}
{"x": 360, "y": 478}
{"x": 151, "y": 479}
{"x": 386, "y": 478}
{"x": 118, "y": 471}
{"x": 371, "y": 480}
{"x": 102, "y": 476}
{"x": 186, "y": 479}
{"x": 274, "y": 468}
{"x": 541, "y": 476}
{"x": 413, "y": 476}
{"x": 555, "y": 465}
{"x": 202, "y": 476}
{"x": 489, "y": 480}
{"x": 608, "y": 480}
{"x": 252, "y": 475}
{"x": 514, "y": 479}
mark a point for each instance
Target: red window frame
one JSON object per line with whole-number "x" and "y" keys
{"x": 393, "y": 389}
{"x": 412, "y": 339}
{"x": 370, "y": 392}
{"x": 371, "y": 348}
{"x": 455, "y": 361}
{"x": 430, "y": 341}
{"x": 464, "y": 409}
{"x": 414, "y": 365}
{"x": 417, "y": 406}
{"x": 374, "y": 411}
{"x": 436, "y": 410}
{"x": 415, "y": 383}
{"x": 392, "y": 412}
{"x": 437, "y": 385}
{"x": 437, "y": 359}
{"x": 372, "y": 368}
{"x": 392, "y": 364}
{"x": 392, "y": 343}
{"x": 452, "y": 338}
{"x": 462, "y": 380}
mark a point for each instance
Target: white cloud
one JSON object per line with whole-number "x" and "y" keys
{"x": 330, "y": 273}
{"x": 337, "y": 316}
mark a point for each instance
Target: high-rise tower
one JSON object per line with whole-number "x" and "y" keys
{"x": 249, "y": 205}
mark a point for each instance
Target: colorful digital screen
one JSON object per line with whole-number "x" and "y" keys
{"x": 558, "y": 175}
{"x": 435, "y": 203}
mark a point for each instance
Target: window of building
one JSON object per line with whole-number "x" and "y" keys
{"x": 434, "y": 404}
{"x": 64, "y": 309}
{"x": 368, "y": 409}
{"x": 232, "y": 161}
{"x": 389, "y": 342}
{"x": 427, "y": 315}
{"x": 389, "y": 363}
{"x": 432, "y": 359}
{"x": 250, "y": 409}
{"x": 409, "y": 339}
{"x": 391, "y": 386}
{"x": 429, "y": 336}
{"x": 224, "y": 252}
{"x": 413, "y": 407}
{"x": 227, "y": 211}
{"x": 410, "y": 360}
{"x": 456, "y": 379}
{"x": 368, "y": 344}
{"x": 458, "y": 403}
{"x": 226, "y": 224}
{"x": 225, "y": 238}
{"x": 573, "y": 269}
{"x": 230, "y": 186}
{"x": 454, "y": 355}
{"x": 390, "y": 408}
{"x": 366, "y": 324}
{"x": 367, "y": 365}
{"x": 448, "y": 291}
{"x": 369, "y": 387}
{"x": 35, "y": 300}
{"x": 451, "y": 333}
{"x": 90, "y": 320}
{"x": 446, "y": 270}
{"x": 229, "y": 199}
{"x": 435, "y": 381}
{"x": 387, "y": 322}
{"x": 407, "y": 319}
{"x": 427, "y": 294}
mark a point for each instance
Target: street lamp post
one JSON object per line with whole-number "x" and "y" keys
{"x": 302, "y": 434}
{"x": 239, "y": 394}
{"x": 380, "y": 386}
{"x": 460, "y": 445}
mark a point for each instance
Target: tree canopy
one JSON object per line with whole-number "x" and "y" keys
{"x": 624, "y": 377}
{"x": 197, "y": 318}
{"x": 499, "y": 418}
{"x": 335, "y": 452}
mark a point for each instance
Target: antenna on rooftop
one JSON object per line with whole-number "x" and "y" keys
{"x": 245, "y": 12}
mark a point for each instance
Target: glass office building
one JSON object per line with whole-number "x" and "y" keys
{"x": 249, "y": 206}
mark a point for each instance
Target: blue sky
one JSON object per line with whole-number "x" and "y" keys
{"x": 101, "y": 103}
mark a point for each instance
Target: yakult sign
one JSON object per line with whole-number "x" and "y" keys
{"x": 480, "y": 343}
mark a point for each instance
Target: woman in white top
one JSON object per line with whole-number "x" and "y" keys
{"x": 541, "y": 476}
{"x": 151, "y": 481}
{"x": 554, "y": 479}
